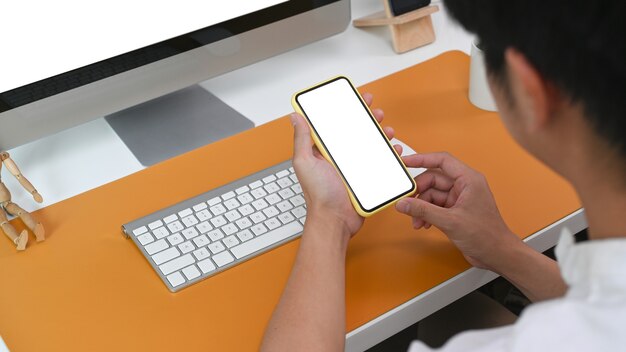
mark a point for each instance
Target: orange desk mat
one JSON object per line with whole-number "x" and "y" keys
{"x": 88, "y": 288}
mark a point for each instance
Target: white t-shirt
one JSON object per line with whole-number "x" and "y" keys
{"x": 590, "y": 317}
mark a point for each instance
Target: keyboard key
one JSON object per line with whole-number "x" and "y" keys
{"x": 271, "y": 212}
{"x": 284, "y": 206}
{"x": 256, "y": 184}
{"x": 294, "y": 178}
{"x": 204, "y": 227}
{"x": 223, "y": 258}
{"x": 160, "y": 232}
{"x": 232, "y": 215}
{"x": 165, "y": 255}
{"x": 218, "y": 209}
{"x": 273, "y": 199}
{"x": 284, "y": 182}
{"x": 228, "y": 195}
{"x": 215, "y": 235}
{"x": 297, "y": 201}
{"x": 186, "y": 247}
{"x": 176, "y": 279}
{"x": 259, "y": 229}
{"x": 175, "y": 239}
{"x": 191, "y": 272}
{"x": 229, "y": 229}
{"x": 170, "y": 218}
{"x": 232, "y": 204}
{"x": 176, "y": 264}
{"x": 201, "y": 253}
{"x": 259, "y": 204}
{"x": 218, "y": 221}
{"x": 286, "y": 193}
{"x": 272, "y": 237}
{"x": 155, "y": 224}
{"x": 140, "y": 231}
{"x": 245, "y": 198}
{"x": 286, "y": 218}
{"x": 175, "y": 226}
{"x": 258, "y": 193}
{"x": 243, "y": 223}
{"x": 246, "y": 210}
{"x": 230, "y": 241}
{"x": 299, "y": 212}
{"x": 156, "y": 247}
{"x": 245, "y": 235}
{"x": 199, "y": 207}
{"x": 292, "y": 170}
{"x": 184, "y": 213}
{"x": 271, "y": 187}
{"x": 297, "y": 189}
{"x": 214, "y": 201}
{"x": 206, "y": 265}
{"x": 203, "y": 215}
{"x": 216, "y": 247}
{"x": 283, "y": 173}
{"x": 258, "y": 217}
{"x": 269, "y": 179}
{"x": 242, "y": 190}
{"x": 201, "y": 241}
{"x": 145, "y": 239}
{"x": 190, "y": 233}
{"x": 190, "y": 220}
{"x": 272, "y": 223}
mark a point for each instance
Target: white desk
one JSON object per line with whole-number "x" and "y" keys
{"x": 91, "y": 155}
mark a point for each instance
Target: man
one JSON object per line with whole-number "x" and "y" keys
{"x": 557, "y": 70}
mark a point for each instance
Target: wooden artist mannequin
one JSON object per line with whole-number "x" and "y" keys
{"x": 11, "y": 208}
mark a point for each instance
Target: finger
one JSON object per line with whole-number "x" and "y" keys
{"x": 379, "y": 115}
{"x": 417, "y": 223}
{"x": 436, "y": 197}
{"x": 398, "y": 149}
{"x": 368, "y": 97}
{"x": 444, "y": 161}
{"x": 317, "y": 153}
{"x": 302, "y": 143}
{"x": 389, "y": 132}
{"x": 433, "y": 178}
{"x": 445, "y": 199}
{"x": 426, "y": 211}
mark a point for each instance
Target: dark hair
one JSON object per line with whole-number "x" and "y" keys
{"x": 578, "y": 45}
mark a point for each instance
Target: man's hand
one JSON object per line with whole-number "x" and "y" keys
{"x": 325, "y": 194}
{"x": 458, "y": 201}
{"x": 311, "y": 314}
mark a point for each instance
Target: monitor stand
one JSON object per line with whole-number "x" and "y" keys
{"x": 176, "y": 123}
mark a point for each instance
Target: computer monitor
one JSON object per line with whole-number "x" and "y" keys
{"x": 66, "y": 62}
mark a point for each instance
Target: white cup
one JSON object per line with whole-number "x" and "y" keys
{"x": 479, "y": 92}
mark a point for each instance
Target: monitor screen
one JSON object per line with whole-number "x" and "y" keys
{"x": 71, "y": 34}
{"x": 60, "y": 45}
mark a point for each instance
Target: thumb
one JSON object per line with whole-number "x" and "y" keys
{"x": 302, "y": 142}
{"x": 423, "y": 210}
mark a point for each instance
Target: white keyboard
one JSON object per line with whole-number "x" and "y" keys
{"x": 219, "y": 229}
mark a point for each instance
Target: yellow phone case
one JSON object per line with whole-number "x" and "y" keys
{"x": 322, "y": 149}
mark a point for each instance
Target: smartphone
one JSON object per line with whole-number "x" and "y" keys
{"x": 349, "y": 137}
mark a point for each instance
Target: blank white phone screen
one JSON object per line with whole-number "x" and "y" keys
{"x": 354, "y": 142}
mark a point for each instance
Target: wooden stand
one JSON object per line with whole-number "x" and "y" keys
{"x": 408, "y": 31}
